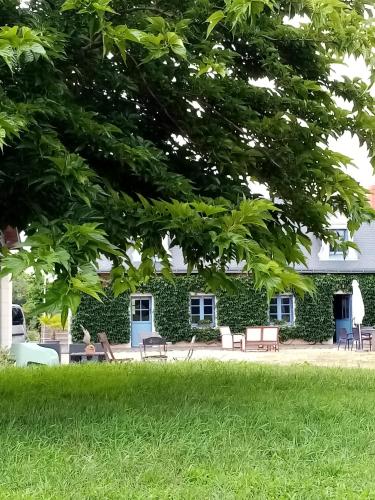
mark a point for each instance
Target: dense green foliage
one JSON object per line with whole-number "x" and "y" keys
{"x": 123, "y": 123}
{"x": 187, "y": 430}
{"x": 314, "y": 315}
{"x": 20, "y": 286}
{"x": 314, "y": 321}
{"x": 172, "y": 310}
{"x": 247, "y": 307}
{"x": 111, "y": 315}
{"x": 28, "y": 291}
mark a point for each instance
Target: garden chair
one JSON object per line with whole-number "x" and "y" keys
{"x": 345, "y": 338}
{"x": 366, "y": 334}
{"x": 253, "y": 337}
{"x": 25, "y": 353}
{"x": 152, "y": 343}
{"x": 148, "y": 335}
{"x": 109, "y": 356}
{"x": 190, "y": 351}
{"x": 230, "y": 340}
{"x": 262, "y": 337}
{"x": 356, "y": 337}
{"x": 55, "y": 345}
{"x": 270, "y": 337}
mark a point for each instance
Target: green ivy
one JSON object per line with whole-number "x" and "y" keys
{"x": 247, "y": 307}
{"x": 171, "y": 307}
{"x": 314, "y": 314}
{"x": 110, "y": 316}
{"x": 206, "y": 334}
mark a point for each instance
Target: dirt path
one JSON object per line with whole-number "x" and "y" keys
{"x": 314, "y": 355}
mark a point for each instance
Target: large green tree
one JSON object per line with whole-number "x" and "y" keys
{"x": 124, "y": 122}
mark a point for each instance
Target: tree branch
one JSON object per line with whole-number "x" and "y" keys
{"x": 156, "y": 99}
{"x": 239, "y": 129}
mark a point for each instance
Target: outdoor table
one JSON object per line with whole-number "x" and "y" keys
{"x": 100, "y": 355}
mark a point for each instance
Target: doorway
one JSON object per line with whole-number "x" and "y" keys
{"x": 141, "y": 318}
{"x": 342, "y": 312}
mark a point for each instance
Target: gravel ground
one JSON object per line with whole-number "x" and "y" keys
{"x": 288, "y": 355}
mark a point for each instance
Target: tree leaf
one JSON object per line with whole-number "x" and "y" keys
{"x": 213, "y": 20}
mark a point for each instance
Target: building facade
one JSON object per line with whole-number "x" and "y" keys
{"x": 182, "y": 309}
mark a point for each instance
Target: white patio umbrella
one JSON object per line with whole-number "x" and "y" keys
{"x": 358, "y": 307}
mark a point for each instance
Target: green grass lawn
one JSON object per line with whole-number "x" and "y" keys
{"x": 190, "y": 431}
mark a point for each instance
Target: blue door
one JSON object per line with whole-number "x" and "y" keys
{"x": 342, "y": 308}
{"x": 141, "y": 318}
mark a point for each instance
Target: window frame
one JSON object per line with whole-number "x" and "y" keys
{"x": 279, "y": 312}
{"x": 345, "y": 231}
{"x": 141, "y": 309}
{"x": 201, "y": 297}
{"x": 338, "y": 223}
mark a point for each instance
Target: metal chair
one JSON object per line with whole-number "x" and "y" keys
{"x": 190, "y": 351}
{"x": 356, "y": 337}
{"x": 148, "y": 335}
{"x": 366, "y": 334}
{"x": 191, "y": 348}
{"x": 346, "y": 338}
{"x": 152, "y": 343}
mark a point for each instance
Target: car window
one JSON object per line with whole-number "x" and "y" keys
{"x": 17, "y": 316}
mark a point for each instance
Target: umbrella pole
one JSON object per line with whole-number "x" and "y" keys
{"x": 360, "y": 337}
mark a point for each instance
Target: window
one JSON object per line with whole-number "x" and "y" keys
{"x": 281, "y": 309}
{"x": 17, "y": 316}
{"x": 202, "y": 310}
{"x": 343, "y": 236}
{"x": 141, "y": 309}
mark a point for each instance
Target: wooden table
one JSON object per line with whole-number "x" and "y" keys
{"x": 100, "y": 355}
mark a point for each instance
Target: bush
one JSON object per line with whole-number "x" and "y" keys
{"x": 290, "y": 332}
{"x": 33, "y": 335}
{"x": 206, "y": 334}
{"x": 5, "y": 358}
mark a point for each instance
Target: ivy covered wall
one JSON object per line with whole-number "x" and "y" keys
{"x": 171, "y": 307}
{"x": 110, "y": 316}
{"x": 314, "y": 314}
{"x": 247, "y": 307}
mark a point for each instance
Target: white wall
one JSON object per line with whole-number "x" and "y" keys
{"x": 5, "y": 312}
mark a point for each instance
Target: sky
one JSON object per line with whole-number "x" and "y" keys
{"x": 362, "y": 170}
{"x": 347, "y": 145}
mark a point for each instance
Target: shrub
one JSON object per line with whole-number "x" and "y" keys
{"x": 5, "y": 358}
{"x": 206, "y": 334}
{"x": 290, "y": 332}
